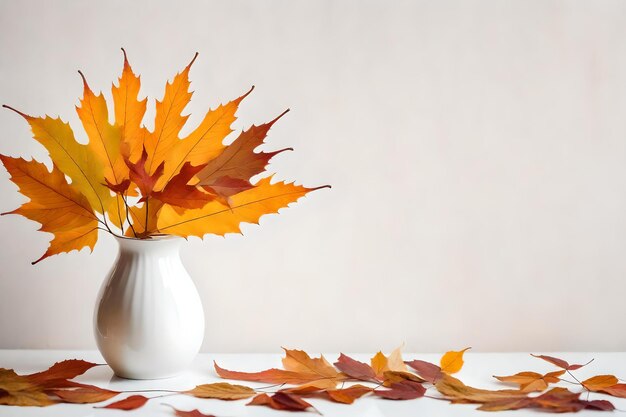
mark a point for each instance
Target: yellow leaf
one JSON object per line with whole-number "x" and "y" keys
{"x": 75, "y": 160}
{"x": 217, "y": 218}
{"x": 452, "y": 361}
{"x": 169, "y": 119}
{"x": 379, "y": 364}
{"x": 205, "y": 142}
{"x": 129, "y": 111}
{"x": 395, "y": 362}
{"x": 54, "y": 203}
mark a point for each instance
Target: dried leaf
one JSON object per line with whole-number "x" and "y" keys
{"x": 177, "y": 192}
{"x": 457, "y": 391}
{"x": 222, "y": 391}
{"x": 131, "y": 403}
{"x": 281, "y": 401}
{"x": 190, "y": 413}
{"x": 271, "y": 376}
{"x": 395, "y": 361}
{"x": 300, "y": 361}
{"x": 452, "y": 361}
{"x": 355, "y": 369}
{"x": 559, "y": 362}
{"x": 348, "y": 395}
{"x": 404, "y": 390}
{"x": 379, "y": 364}
{"x": 66, "y": 369}
{"x": 18, "y": 390}
{"x": 532, "y": 381}
{"x": 391, "y": 377}
{"x": 85, "y": 395}
{"x": 600, "y": 382}
{"x": 617, "y": 390}
{"x": 60, "y": 208}
{"x": 430, "y": 372}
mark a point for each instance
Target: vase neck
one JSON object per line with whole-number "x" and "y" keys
{"x": 160, "y": 246}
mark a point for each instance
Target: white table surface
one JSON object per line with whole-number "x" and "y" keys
{"x": 477, "y": 372}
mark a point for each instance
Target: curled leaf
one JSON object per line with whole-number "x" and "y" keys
{"x": 355, "y": 369}
{"x": 222, "y": 391}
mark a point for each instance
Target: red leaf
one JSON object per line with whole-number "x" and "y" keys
{"x": 405, "y": 390}
{"x": 131, "y": 403}
{"x": 560, "y": 362}
{"x": 355, "y": 369}
{"x": 601, "y": 405}
{"x": 118, "y": 188}
{"x": 426, "y": 370}
{"x": 281, "y": 401}
{"x": 348, "y": 395}
{"x": 67, "y": 369}
{"x": 227, "y": 186}
{"x": 139, "y": 175}
{"x": 178, "y": 193}
{"x": 617, "y": 390}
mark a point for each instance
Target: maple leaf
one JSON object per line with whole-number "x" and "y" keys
{"x": 532, "y": 381}
{"x": 222, "y": 391}
{"x": 219, "y": 219}
{"x": 177, "y": 192}
{"x": 300, "y": 361}
{"x": 281, "y": 401}
{"x": 131, "y": 403}
{"x": 60, "y": 208}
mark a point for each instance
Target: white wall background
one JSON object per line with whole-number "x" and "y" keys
{"x": 477, "y": 152}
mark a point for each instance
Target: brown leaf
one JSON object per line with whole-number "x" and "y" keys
{"x": 272, "y": 376}
{"x": 617, "y": 390}
{"x": 222, "y": 391}
{"x": 355, "y": 369}
{"x": 281, "y": 401}
{"x": 190, "y": 413}
{"x": 560, "y": 362}
{"x": 85, "y": 395}
{"x": 313, "y": 387}
{"x": 532, "y": 381}
{"x": 348, "y": 395}
{"x": 430, "y": 372}
{"x": 18, "y": 390}
{"x": 452, "y": 361}
{"x": 390, "y": 377}
{"x": 457, "y": 391}
{"x": 405, "y": 390}
{"x": 67, "y": 369}
{"x": 600, "y": 382}
{"x": 131, "y": 403}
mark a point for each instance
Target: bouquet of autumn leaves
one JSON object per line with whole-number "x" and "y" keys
{"x": 138, "y": 183}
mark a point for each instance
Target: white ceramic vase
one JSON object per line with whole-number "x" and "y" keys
{"x": 148, "y": 320}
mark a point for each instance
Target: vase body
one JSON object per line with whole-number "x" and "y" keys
{"x": 148, "y": 320}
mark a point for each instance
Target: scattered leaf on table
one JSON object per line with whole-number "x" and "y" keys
{"x": 559, "y": 362}
{"x": 600, "y": 382}
{"x": 395, "y": 361}
{"x": 617, "y": 390}
{"x": 300, "y": 361}
{"x": 131, "y": 403}
{"x": 18, "y": 390}
{"x": 190, "y": 413}
{"x": 272, "y": 376}
{"x": 379, "y": 364}
{"x": 457, "y": 392}
{"x": 281, "y": 401}
{"x": 452, "y": 362}
{"x": 355, "y": 369}
{"x": 429, "y": 371}
{"x": 532, "y": 381}
{"x": 67, "y": 369}
{"x": 222, "y": 391}
{"x": 348, "y": 395}
{"x": 84, "y": 395}
{"x": 390, "y": 377}
{"x": 404, "y": 390}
